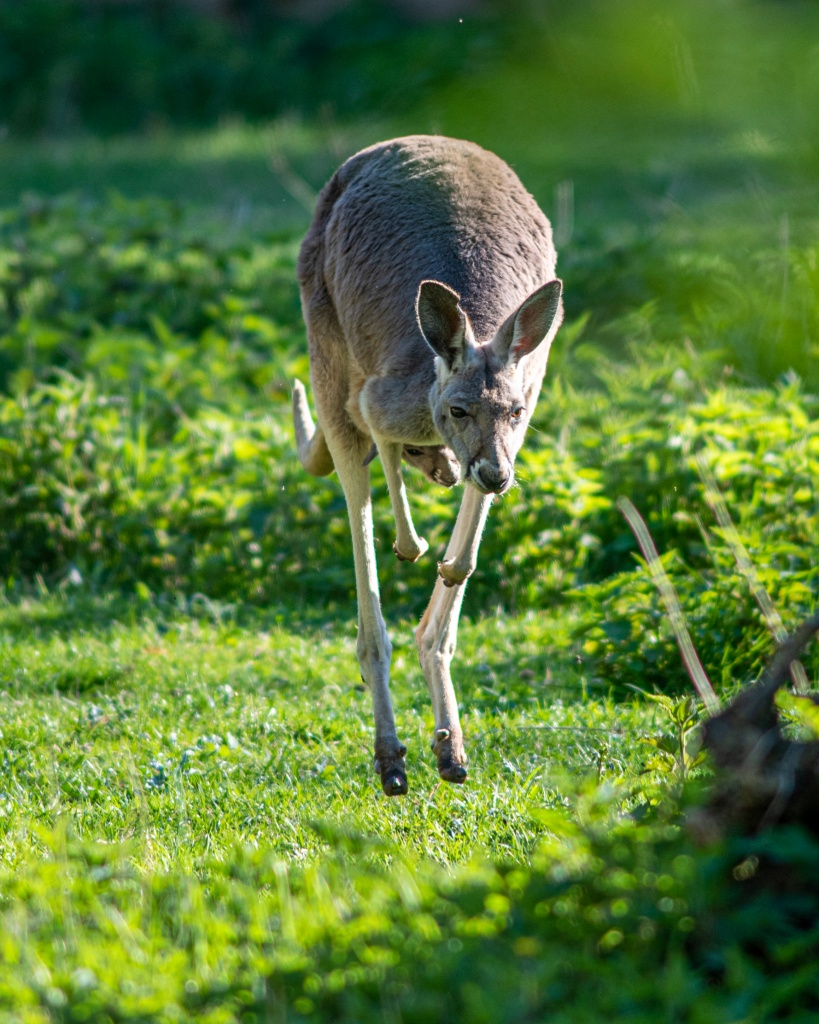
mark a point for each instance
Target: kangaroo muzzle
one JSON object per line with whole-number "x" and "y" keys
{"x": 490, "y": 477}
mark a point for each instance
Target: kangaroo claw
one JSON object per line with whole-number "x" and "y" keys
{"x": 448, "y": 746}
{"x": 452, "y": 573}
{"x": 422, "y": 548}
{"x": 389, "y": 764}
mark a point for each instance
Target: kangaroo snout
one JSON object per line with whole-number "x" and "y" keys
{"x": 489, "y": 477}
{"x": 447, "y": 476}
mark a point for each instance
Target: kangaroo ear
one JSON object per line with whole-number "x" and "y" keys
{"x": 525, "y": 329}
{"x": 443, "y": 323}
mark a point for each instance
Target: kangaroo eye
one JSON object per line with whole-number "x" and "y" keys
{"x": 457, "y": 412}
{"x": 517, "y": 413}
{"x": 413, "y": 451}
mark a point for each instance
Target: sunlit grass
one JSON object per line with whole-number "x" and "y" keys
{"x": 194, "y": 732}
{"x": 190, "y": 830}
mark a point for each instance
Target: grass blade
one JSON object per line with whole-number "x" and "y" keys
{"x": 701, "y": 682}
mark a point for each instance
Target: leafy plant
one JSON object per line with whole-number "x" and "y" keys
{"x": 145, "y": 443}
{"x": 679, "y": 751}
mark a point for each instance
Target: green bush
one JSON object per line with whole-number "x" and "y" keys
{"x": 123, "y": 289}
{"x": 660, "y": 288}
{"x": 145, "y": 441}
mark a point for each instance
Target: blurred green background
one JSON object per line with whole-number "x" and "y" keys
{"x": 675, "y": 146}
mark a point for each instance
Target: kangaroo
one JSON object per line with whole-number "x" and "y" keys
{"x": 436, "y": 462}
{"x": 428, "y": 291}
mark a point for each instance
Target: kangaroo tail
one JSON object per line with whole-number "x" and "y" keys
{"x": 314, "y": 454}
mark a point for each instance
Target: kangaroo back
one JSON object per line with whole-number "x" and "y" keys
{"x": 416, "y": 208}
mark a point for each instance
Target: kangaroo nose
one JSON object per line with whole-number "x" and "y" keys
{"x": 493, "y": 478}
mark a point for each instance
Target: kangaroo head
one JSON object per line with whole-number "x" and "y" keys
{"x": 478, "y": 401}
{"x": 436, "y": 462}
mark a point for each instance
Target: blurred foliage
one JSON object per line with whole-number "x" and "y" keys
{"x": 758, "y": 305}
{"x": 737, "y": 74}
{"x": 615, "y": 921}
{"x": 107, "y": 67}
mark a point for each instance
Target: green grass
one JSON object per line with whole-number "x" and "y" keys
{"x": 189, "y": 824}
{"x": 237, "y": 181}
{"x": 181, "y": 757}
{"x": 182, "y": 721}
{"x": 199, "y": 732}
{"x": 191, "y": 830}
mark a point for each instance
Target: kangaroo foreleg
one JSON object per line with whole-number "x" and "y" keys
{"x": 437, "y": 636}
{"x": 408, "y": 545}
{"x": 311, "y": 445}
{"x": 462, "y": 554}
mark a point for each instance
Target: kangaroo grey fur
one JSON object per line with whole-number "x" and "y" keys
{"x": 428, "y": 290}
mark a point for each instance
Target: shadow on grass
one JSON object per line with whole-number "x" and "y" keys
{"x": 66, "y": 614}
{"x": 244, "y": 181}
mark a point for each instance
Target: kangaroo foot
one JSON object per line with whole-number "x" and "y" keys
{"x": 389, "y": 764}
{"x": 412, "y": 550}
{"x": 453, "y": 573}
{"x": 448, "y": 746}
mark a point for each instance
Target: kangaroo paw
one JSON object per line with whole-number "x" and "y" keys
{"x": 452, "y": 573}
{"x": 412, "y": 554}
{"x": 448, "y": 746}
{"x": 389, "y": 764}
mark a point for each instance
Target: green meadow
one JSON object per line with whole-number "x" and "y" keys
{"x": 190, "y": 827}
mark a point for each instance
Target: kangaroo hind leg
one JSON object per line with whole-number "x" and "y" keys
{"x": 373, "y": 648}
{"x": 347, "y": 447}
